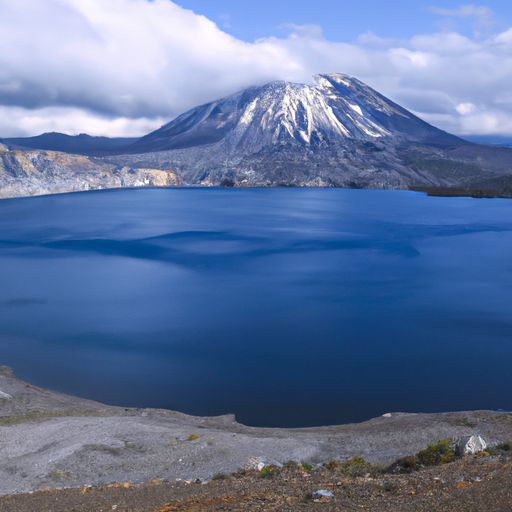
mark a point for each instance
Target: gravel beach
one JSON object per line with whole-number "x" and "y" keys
{"x": 53, "y": 441}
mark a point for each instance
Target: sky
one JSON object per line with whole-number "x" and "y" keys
{"x": 125, "y": 67}
{"x": 342, "y": 20}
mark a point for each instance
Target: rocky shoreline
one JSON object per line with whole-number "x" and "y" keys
{"x": 25, "y": 173}
{"x": 49, "y": 441}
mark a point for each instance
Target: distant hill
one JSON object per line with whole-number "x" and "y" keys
{"x": 492, "y": 140}
{"x": 79, "y": 144}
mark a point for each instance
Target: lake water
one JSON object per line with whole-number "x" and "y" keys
{"x": 287, "y": 307}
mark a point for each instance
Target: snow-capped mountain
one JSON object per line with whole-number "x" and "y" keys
{"x": 330, "y": 111}
{"x": 336, "y": 131}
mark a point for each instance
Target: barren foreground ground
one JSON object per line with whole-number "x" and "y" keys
{"x": 84, "y": 456}
{"x": 474, "y": 484}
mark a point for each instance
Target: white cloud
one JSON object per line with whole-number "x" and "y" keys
{"x": 486, "y": 123}
{"x": 484, "y": 15}
{"x": 19, "y": 121}
{"x": 122, "y": 67}
{"x": 465, "y": 109}
{"x": 504, "y": 37}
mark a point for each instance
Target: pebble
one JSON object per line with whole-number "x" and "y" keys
{"x": 323, "y": 493}
{"x": 259, "y": 463}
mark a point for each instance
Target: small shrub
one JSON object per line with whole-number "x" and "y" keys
{"x": 389, "y": 486}
{"x": 192, "y": 437}
{"x": 355, "y": 461}
{"x": 505, "y": 447}
{"x": 441, "y": 452}
{"x": 434, "y": 454}
{"x": 306, "y": 467}
{"x": 332, "y": 465}
{"x": 404, "y": 465}
{"x": 268, "y": 471}
{"x": 357, "y": 466}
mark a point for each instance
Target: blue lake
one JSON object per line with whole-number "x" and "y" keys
{"x": 287, "y": 307}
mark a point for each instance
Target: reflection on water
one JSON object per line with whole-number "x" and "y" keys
{"x": 285, "y": 307}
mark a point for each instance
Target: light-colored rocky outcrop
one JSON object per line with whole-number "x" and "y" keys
{"x": 37, "y": 172}
{"x": 470, "y": 445}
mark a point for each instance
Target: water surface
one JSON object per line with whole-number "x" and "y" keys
{"x": 286, "y": 307}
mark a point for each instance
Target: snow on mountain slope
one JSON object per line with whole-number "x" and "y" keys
{"x": 335, "y": 132}
{"x": 336, "y": 107}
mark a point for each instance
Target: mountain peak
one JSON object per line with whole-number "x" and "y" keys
{"x": 334, "y": 108}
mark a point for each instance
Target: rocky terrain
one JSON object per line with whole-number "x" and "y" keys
{"x": 472, "y": 484}
{"x": 37, "y": 172}
{"x": 336, "y": 132}
{"x": 53, "y": 441}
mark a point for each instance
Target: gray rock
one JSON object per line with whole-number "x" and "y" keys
{"x": 259, "y": 463}
{"x": 5, "y": 396}
{"x": 470, "y": 445}
{"x": 323, "y": 493}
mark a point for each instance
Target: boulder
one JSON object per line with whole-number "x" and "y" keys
{"x": 470, "y": 445}
{"x": 5, "y": 396}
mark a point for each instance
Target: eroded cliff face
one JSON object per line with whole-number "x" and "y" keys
{"x": 29, "y": 173}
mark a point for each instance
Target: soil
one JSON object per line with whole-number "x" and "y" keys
{"x": 473, "y": 484}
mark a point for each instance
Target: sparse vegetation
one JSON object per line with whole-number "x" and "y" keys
{"x": 357, "y": 466}
{"x": 442, "y": 167}
{"x": 463, "y": 422}
{"x": 58, "y": 475}
{"x": 192, "y": 437}
{"x": 355, "y": 461}
{"x": 441, "y": 452}
{"x": 499, "y": 449}
{"x": 332, "y": 465}
{"x": 307, "y": 468}
{"x": 33, "y": 416}
{"x": 506, "y": 446}
{"x": 268, "y": 471}
{"x": 434, "y": 454}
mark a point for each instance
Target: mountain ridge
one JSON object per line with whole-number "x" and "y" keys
{"x": 83, "y": 143}
{"x": 335, "y": 132}
{"x": 335, "y": 106}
